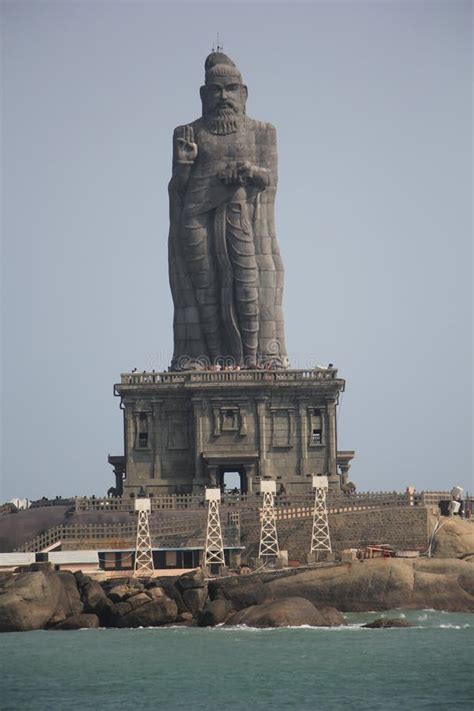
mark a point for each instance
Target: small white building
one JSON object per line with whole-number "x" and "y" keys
{"x": 20, "y": 504}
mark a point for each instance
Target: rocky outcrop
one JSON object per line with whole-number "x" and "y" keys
{"x": 169, "y": 587}
{"x": 454, "y": 537}
{"x": 195, "y": 599}
{"x": 382, "y": 624}
{"x": 154, "y": 614}
{"x": 288, "y": 612}
{"x": 44, "y": 599}
{"x": 30, "y": 601}
{"x": 192, "y": 580}
{"x": 215, "y": 613}
{"x": 94, "y": 598}
{"x": 69, "y": 601}
{"x": 78, "y": 622}
{"x": 378, "y": 584}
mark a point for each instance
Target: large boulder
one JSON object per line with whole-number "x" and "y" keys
{"x": 215, "y": 613}
{"x": 29, "y": 601}
{"x": 194, "y": 579}
{"x": 116, "y": 612}
{"x": 138, "y": 600}
{"x": 123, "y": 592}
{"x": 94, "y": 598}
{"x": 454, "y": 538}
{"x": 169, "y": 588}
{"x": 242, "y": 592}
{"x": 154, "y": 614}
{"x": 195, "y": 599}
{"x": 78, "y": 622}
{"x": 443, "y": 584}
{"x": 288, "y": 612}
{"x": 69, "y": 602}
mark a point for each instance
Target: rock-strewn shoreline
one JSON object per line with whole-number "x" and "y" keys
{"x": 44, "y": 599}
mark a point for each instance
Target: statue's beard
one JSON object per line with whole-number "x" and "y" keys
{"x": 223, "y": 121}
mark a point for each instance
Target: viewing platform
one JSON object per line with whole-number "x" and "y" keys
{"x": 244, "y": 377}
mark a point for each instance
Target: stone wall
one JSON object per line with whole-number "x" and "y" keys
{"x": 402, "y": 528}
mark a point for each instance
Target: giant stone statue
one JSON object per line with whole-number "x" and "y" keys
{"x": 226, "y": 273}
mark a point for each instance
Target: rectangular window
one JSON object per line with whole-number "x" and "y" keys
{"x": 317, "y": 437}
{"x": 143, "y": 440}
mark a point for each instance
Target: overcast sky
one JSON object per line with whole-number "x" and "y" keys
{"x": 372, "y": 105}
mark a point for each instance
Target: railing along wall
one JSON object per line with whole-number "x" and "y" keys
{"x": 125, "y": 532}
{"x": 180, "y": 502}
{"x": 225, "y": 376}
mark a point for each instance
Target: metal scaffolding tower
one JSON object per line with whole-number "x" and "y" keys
{"x": 268, "y": 534}
{"x": 143, "y": 565}
{"x": 214, "y": 549}
{"x": 320, "y": 539}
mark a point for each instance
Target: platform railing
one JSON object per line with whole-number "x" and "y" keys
{"x": 225, "y": 376}
{"x": 125, "y": 533}
{"x": 252, "y": 501}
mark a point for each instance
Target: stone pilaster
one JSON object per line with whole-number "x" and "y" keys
{"x": 198, "y": 413}
{"x": 157, "y": 437}
{"x": 332, "y": 443}
{"x": 303, "y": 429}
{"x": 262, "y": 435}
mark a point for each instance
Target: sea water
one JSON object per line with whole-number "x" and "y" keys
{"x": 429, "y": 666}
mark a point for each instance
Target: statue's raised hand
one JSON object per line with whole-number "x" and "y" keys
{"x": 186, "y": 149}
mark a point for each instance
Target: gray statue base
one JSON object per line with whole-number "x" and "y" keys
{"x": 185, "y": 431}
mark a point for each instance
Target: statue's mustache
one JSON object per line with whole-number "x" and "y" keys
{"x": 225, "y": 108}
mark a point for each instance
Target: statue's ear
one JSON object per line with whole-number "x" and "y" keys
{"x": 245, "y": 92}
{"x": 202, "y": 92}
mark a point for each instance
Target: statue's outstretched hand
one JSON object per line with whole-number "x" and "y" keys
{"x": 186, "y": 148}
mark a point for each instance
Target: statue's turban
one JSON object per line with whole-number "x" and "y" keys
{"x": 220, "y": 65}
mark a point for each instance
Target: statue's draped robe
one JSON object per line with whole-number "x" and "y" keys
{"x": 206, "y": 199}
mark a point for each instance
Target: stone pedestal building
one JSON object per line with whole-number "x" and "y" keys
{"x": 184, "y": 431}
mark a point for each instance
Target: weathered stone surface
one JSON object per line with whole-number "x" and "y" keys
{"x": 29, "y": 601}
{"x": 123, "y": 592}
{"x": 94, "y": 598}
{"x": 116, "y": 612}
{"x": 195, "y": 599}
{"x": 215, "y": 613}
{"x": 185, "y": 617}
{"x": 154, "y": 614}
{"x": 382, "y": 623}
{"x": 224, "y": 175}
{"x": 378, "y": 584}
{"x": 69, "y": 602}
{"x": 195, "y": 579}
{"x": 78, "y": 622}
{"x": 287, "y": 612}
{"x": 155, "y": 593}
{"x": 138, "y": 600}
{"x": 455, "y": 538}
{"x": 81, "y": 578}
{"x": 73, "y": 596}
{"x": 170, "y": 590}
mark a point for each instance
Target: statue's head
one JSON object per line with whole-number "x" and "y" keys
{"x": 223, "y": 95}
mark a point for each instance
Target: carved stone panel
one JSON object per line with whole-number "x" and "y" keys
{"x": 282, "y": 427}
{"x": 178, "y": 430}
{"x": 229, "y": 419}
